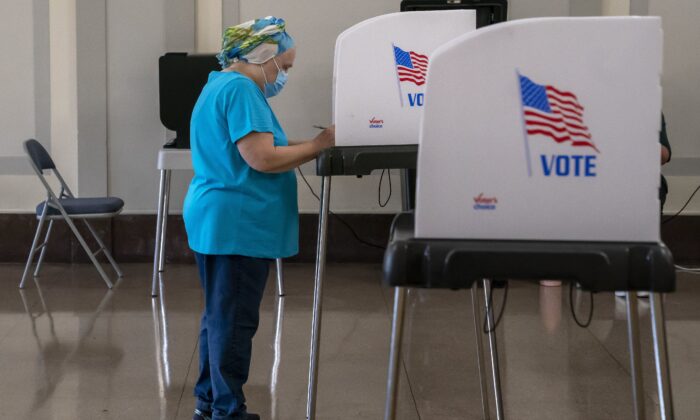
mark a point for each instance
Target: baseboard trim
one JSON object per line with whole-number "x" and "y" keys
{"x": 131, "y": 238}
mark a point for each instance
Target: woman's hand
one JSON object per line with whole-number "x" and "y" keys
{"x": 325, "y": 139}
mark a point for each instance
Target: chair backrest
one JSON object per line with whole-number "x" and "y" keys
{"x": 38, "y": 155}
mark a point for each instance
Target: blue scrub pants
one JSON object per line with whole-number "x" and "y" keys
{"x": 233, "y": 288}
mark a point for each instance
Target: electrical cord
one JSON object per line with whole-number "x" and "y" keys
{"x": 379, "y": 191}
{"x": 688, "y": 269}
{"x": 573, "y": 312}
{"x": 670, "y": 218}
{"x": 490, "y": 308}
{"x": 340, "y": 219}
{"x": 682, "y": 208}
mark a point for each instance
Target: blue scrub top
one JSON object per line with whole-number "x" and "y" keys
{"x": 230, "y": 208}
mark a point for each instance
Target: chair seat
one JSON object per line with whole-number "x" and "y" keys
{"x": 457, "y": 264}
{"x": 88, "y": 205}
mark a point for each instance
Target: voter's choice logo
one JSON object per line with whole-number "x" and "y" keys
{"x": 482, "y": 202}
{"x": 376, "y": 123}
{"x": 411, "y": 69}
{"x": 549, "y": 113}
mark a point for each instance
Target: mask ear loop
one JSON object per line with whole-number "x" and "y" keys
{"x": 263, "y": 72}
{"x": 279, "y": 70}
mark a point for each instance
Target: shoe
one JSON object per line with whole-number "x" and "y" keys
{"x": 550, "y": 283}
{"x": 641, "y": 294}
{"x": 201, "y": 415}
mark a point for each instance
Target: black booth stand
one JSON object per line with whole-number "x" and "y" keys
{"x": 597, "y": 267}
{"x": 345, "y": 161}
{"x": 462, "y": 264}
{"x": 181, "y": 79}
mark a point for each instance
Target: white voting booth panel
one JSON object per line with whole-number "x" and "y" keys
{"x": 544, "y": 129}
{"x": 379, "y": 74}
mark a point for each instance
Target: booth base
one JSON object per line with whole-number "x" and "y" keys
{"x": 362, "y": 160}
{"x": 457, "y": 264}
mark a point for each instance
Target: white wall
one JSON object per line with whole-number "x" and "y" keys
{"x": 138, "y": 32}
{"x": 135, "y": 40}
{"x": 209, "y": 15}
{"x": 681, "y": 75}
{"x": 522, "y": 9}
{"x": 64, "y": 93}
{"x": 21, "y": 193}
{"x": 681, "y": 89}
{"x": 17, "y": 111}
{"x": 616, "y": 7}
{"x": 16, "y": 75}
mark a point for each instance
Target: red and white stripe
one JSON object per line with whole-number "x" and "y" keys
{"x": 417, "y": 74}
{"x": 564, "y": 124}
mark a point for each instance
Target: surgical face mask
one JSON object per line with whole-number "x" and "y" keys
{"x": 273, "y": 89}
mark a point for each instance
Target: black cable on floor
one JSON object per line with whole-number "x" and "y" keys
{"x": 500, "y": 313}
{"x": 379, "y": 190}
{"x": 340, "y": 219}
{"x": 573, "y": 312}
{"x": 682, "y": 208}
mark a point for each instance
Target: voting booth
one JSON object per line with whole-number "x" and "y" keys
{"x": 563, "y": 142}
{"x": 182, "y": 77}
{"x": 379, "y": 74}
{"x": 540, "y": 160}
{"x": 378, "y": 97}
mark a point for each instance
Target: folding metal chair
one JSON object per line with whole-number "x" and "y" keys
{"x": 67, "y": 207}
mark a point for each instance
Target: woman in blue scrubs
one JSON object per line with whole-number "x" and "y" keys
{"x": 241, "y": 207}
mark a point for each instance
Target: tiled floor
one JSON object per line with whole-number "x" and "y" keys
{"x": 69, "y": 349}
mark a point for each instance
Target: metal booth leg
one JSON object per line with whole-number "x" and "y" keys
{"x": 280, "y": 277}
{"x": 318, "y": 296}
{"x": 480, "y": 360}
{"x": 275, "y": 371}
{"x": 159, "y": 237}
{"x": 392, "y": 385}
{"x": 663, "y": 374}
{"x": 164, "y": 229}
{"x": 495, "y": 371}
{"x": 635, "y": 355}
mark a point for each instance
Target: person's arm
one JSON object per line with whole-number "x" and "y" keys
{"x": 259, "y": 151}
{"x": 665, "y": 155}
{"x": 297, "y": 142}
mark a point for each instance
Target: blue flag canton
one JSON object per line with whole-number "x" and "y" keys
{"x": 403, "y": 58}
{"x": 534, "y": 95}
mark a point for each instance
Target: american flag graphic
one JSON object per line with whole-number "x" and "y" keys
{"x": 410, "y": 66}
{"x": 554, "y": 113}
